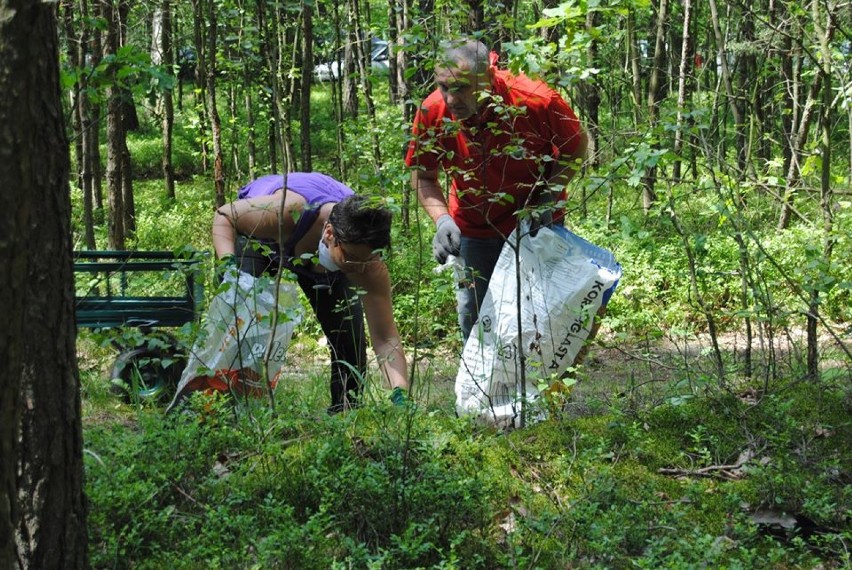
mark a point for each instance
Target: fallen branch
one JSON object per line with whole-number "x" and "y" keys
{"x": 730, "y": 472}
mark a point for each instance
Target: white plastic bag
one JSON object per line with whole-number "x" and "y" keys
{"x": 230, "y": 352}
{"x": 564, "y": 281}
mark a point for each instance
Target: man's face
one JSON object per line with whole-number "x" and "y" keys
{"x": 461, "y": 88}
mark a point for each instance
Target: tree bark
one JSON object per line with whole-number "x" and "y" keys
{"x": 734, "y": 105}
{"x": 655, "y": 94}
{"x": 42, "y": 507}
{"x": 349, "y": 88}
{"x": 212, "y": 110}
{"x": 362, "y": 59}
{"x": 305, "y": 99}
{"x": 824, "y": 33}
{"x": 163, "y": 46}
{"x": 684, "y": 70}
{"x": 94, "y": 115}
{"x": 635, "y": 68}
{"x": 115, "y": 134}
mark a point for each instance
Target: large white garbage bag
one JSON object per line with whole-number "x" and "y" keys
{"x": 564, "y": 281}
{"x": 230, "y": 352}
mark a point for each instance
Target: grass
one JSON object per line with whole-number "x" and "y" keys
{"x": 383, "y": 487}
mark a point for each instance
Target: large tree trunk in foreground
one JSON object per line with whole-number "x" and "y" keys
{"x": 42, "y": 510}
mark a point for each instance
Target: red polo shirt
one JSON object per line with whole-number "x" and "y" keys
{"x": 497, "y": 158}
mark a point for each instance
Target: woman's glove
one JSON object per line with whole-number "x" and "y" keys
{"x": 447, "y": 240}
{"x": 399, "y": 396}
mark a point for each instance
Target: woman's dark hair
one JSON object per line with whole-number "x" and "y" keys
{"x": 359, "y": 219}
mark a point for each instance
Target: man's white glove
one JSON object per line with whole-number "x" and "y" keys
{"x": 447, "y": 240}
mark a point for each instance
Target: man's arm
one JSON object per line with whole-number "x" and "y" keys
{"x": 429, "y": 192}
{"x": 567, "y": 167}
{"x": 572, "y": 141}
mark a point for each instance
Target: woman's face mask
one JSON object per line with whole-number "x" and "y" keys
{"x": 324, "y": 254}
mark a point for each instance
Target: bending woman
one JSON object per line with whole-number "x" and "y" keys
{"x": 333, "y": 241}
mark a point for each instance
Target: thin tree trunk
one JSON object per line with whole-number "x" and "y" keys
{"x": 288, "y": 89}
{"x": 42, "y": 507}
{"x": 349, "y": 89}
{"x": 168, "y": 60}
{"x": 251, "y": 144}
{"x": 129, "y": 204}
{"x": 72, "y": 52}
{"x": 198, "y": 27}
{"x": 633, "y": 57}
{"x": 337, "y": 98}
{"x": 362, "y": 57}
{"x": 722, "y": 58}
{"x": 115, "y": 134}
{"x": 212, "y": 109}
{"x": 683, "y": 71}
{"x": 798, "y": 139}
{"x": 824, "y": 33}
{"x": 130, "y": 122}
{"x": 655, "y": 92}
{"x": 305, "y": 99}
{"x": 93, "y": 128}
{"x": 593, "y": 93}
{"x": 396, "y": 13}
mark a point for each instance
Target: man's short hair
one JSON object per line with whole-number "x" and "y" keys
{"x": 464, "y": 52}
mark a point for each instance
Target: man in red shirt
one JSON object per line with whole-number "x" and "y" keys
{"x": 509, "y": 144}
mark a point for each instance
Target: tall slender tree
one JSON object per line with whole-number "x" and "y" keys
{"x": 305, "y": 83}
{"x": 162, "y": 53}
{"x": 115, "y": 131}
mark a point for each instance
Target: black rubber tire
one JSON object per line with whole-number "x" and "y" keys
{"x": 138, "y": 375}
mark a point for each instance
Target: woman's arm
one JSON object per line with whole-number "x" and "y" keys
{"x": 383, "y": 332}
{"x": 256, "y": 217}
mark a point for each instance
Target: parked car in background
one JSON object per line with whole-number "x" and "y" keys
{"x": 379, "y": 52}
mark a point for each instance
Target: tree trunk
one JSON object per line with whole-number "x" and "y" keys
{"x": 824, "y": 33}
{"x": 42, "y": 508}
{"x": 77, "y": 48}
{"x": 593, "y": 92}
{"x": 115, "y": 134}
{"x": 129, "y": 204}
{"x": 337, "y": 98}
{"x": 251, "y": 144}
{"x": 305, "y": 91}
{"x": 684, "y": 70}
{"x": 72, "y": 52}
{"x": 635, "y": 69}
{"x": 722, "y": 58}
{"x": 212, "y": 109}
{"x": 200, "y": 94}
{"x": 94, "y": 117}
{"x": 396, "y": 13}
{"x": 655, "y": 95}
{"x": 163, "y": 46}
{"x": 131, "y": 117}
{"x": 362, "y": 58}
{"x": 349, "y": 88}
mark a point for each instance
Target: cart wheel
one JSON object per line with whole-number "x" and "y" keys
{"x": 139, "y": 374}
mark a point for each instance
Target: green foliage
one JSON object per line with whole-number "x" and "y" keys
{"x": 146, "y": 154}
{"x": 226, "y": 486}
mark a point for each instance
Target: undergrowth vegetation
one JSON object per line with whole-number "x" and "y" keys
{"x": 225, "y": 486}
